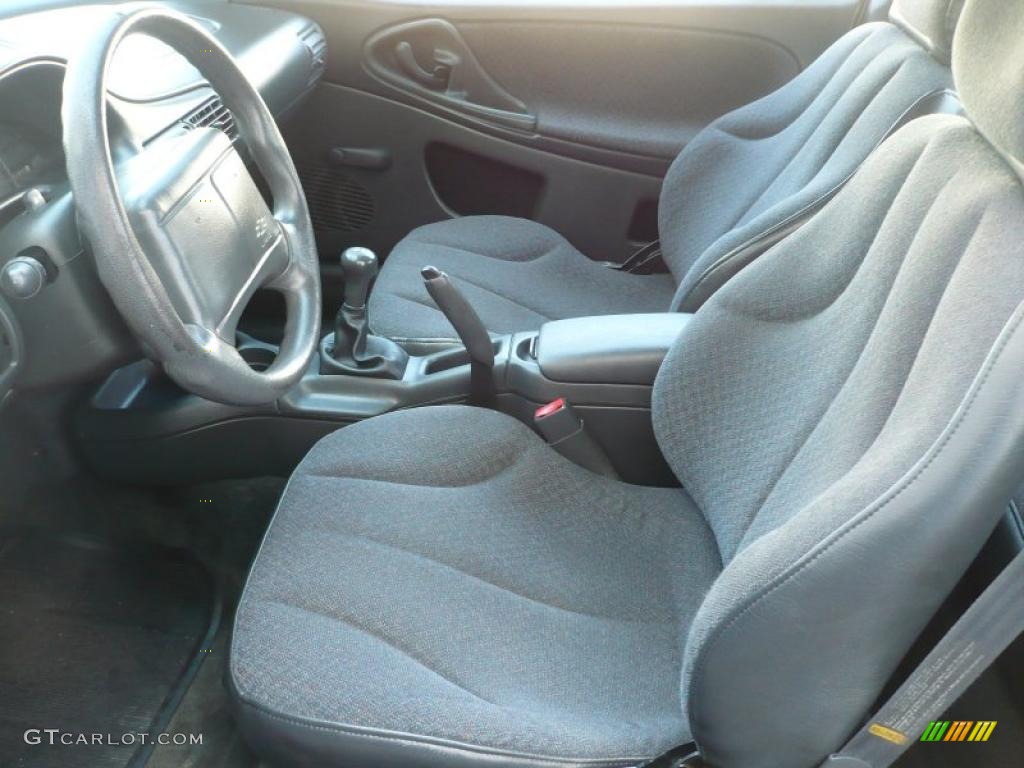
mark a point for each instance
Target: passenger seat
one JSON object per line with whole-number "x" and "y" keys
{"x": 743, "y": 183}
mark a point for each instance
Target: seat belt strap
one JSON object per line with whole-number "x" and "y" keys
{"x": 983, "y": 632}
{"x": 644, "y": 261}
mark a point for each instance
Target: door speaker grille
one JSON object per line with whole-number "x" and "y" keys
{"x": 336, "y": 200}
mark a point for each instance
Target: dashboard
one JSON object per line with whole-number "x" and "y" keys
{"x": 28, "y": 159}
{"x": 68, "y": 330}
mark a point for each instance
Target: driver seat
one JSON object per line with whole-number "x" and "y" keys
{"x": 440, "y": 588}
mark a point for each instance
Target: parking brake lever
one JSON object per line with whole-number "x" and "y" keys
{"x": 471, "y": 331}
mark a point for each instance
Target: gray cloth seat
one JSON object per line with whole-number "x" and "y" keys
{"x": 440, "y": 588}
{"x": 748, "y": 175}
{"x": 512, "y": 625}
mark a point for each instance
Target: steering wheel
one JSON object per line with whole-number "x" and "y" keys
{"x": 181, "y": 235}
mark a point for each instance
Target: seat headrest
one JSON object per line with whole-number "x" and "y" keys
{"x": 930, "y": 22}
{"x": 988, "y": 69}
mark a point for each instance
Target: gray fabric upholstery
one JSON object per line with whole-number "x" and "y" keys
{"x": 745, "y": 175}
{"x": 798, "y": 397}
{"x": 442, "y": 572}
{"x": 988, "y": 61}
{"x": 517, "y": 273}
{"x": 930, "y": 22}
{"x": 879, "y": 232}
{"x": 764, "y": 164}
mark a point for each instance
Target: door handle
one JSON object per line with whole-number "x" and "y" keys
{"x": 427, "y": 60}
{"x": 435, "y": 79}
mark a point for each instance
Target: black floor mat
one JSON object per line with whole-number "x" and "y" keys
{"x": 95, "y": 639}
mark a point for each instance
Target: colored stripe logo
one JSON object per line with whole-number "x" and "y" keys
{"x": 959, "y": 730}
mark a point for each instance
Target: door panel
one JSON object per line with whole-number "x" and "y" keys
{"x": 567, "y": 114}
{"x": 638, "y": 89}
{"x": 439, "y": 168}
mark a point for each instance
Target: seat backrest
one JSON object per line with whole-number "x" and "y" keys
{"x": 756, "y": 170}
{"x": 848, "y": 414}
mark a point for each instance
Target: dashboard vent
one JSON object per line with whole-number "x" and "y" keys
{"x": 211, "y": 114}
{"x": 316, "y": 44}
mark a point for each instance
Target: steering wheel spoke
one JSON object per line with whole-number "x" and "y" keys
{"x": 274, "y": 262}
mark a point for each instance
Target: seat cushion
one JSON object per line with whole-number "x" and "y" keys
{"x": 439, "y": 586}
{"x": 517, "y": 273}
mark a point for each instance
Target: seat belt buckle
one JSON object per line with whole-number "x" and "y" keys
{"x": 563, "y": 429}
{"x": 556, "y": 420}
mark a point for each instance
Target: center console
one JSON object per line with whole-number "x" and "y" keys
{"x": 140, "y": 425}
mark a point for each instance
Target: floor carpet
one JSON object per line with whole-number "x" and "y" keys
{"x": 96, "y": 638}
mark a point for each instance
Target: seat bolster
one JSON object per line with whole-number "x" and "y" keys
{"x": 318, "y": 744}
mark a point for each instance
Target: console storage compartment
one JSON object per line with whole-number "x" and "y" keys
{"x": 611, "y": 349}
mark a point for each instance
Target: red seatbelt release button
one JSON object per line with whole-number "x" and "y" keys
{"x": 562, "y": 428}
{"x": 549, "y": 409}
{"x": 556, "y": 420}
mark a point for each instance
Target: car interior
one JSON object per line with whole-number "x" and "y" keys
{"x": 528, "y": 384}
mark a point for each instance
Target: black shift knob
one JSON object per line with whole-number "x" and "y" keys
{"x": 352, "y": 350}
{"x": 359, "y": 266}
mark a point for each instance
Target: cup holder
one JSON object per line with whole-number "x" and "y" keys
{"x": 258, "y": 358}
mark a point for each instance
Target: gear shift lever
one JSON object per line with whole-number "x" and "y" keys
{"x": 359, "y": 265}
{"x": 352, "y": 350}
{"x": 360, "y": 268}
